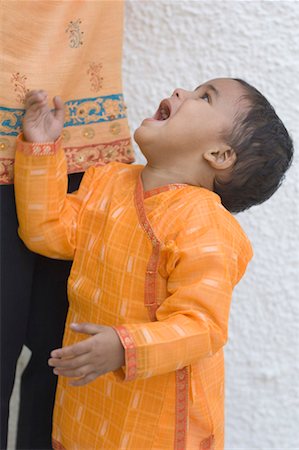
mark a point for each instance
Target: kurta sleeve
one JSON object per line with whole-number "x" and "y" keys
{"x": 192, "y": 322}
{"x": 47, "y": 215}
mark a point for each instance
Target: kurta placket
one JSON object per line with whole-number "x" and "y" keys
{"x": 150, "y": 301}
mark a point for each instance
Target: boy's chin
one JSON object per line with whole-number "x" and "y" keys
{"x": 142, "y": 141}
{"x": 147, "y": 138}
{"x": 139, "y": 136}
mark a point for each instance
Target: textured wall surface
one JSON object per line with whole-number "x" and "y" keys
{"x": 172, "y": 44}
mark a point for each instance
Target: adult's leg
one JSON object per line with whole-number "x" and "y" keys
{"x": 16, "y": 267}
{"x": 45, "y": 330}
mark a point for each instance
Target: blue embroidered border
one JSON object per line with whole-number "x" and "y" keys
{"x": 78, "y": 112}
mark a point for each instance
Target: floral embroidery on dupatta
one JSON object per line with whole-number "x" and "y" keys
{"x": 96, "y": 80}
{"x": 19, "y": 82}
{"x": 75, "y": 34}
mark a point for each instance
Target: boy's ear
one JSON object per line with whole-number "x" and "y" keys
{"x": 220, "y": 159}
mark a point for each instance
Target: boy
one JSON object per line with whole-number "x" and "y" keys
{"x": 155, "y": 259}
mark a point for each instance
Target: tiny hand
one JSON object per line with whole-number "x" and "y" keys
{"x": 101, "y": 353}
{"x": 40, "y": 124}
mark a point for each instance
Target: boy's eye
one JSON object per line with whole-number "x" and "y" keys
{"x": 205, "y": 97}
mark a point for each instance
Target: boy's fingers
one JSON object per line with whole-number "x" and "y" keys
{"x": 87, "y": 328}
{"x": 73, "y": 350}
{"x": 85, "y": 380}
{"x": 35, "y": 97}
{"x": 58, "y": 103}
{"x": 82, "y": 347}
{"x": 36, "y": 92}
{"x": 59, "y": 107}
{"x": 36, "y": 106}
{"x": 74, "y": 373}
{"x": 31, "y": 93}
{"x": 71, "y": 363}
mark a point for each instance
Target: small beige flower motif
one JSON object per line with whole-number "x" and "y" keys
{"x": 75, "y": 34}
{"x": 19, "y": 82}
{"x": 96, "y": 80}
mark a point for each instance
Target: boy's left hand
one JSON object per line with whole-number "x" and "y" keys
{"x": 91, "y": 358}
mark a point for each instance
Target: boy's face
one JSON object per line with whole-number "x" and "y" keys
{"x": 190, "y": 123}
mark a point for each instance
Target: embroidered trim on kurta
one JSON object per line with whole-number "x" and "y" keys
{"x": 39, "y": 149}
{"x": 151, "y": 282}
{"x": 131, "y": 354}
{"x": 158, "y": 190}
{"x": 150, "y": 285}
{"x": 181, "y": 409}
{"x": 150, "y": 296}
{"x": 57, "y": 446}
{"x": 150, "y": 289}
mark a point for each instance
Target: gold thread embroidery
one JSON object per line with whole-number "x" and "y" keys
{"x": 66, "y": 135}
{"x": 10, "y": 121}
{"x": 90, "y": 110}
{"x": 6, "y": 170}
{"x": 115, "y": 128}
{"x": 19, "y": 82}
{"x": 88, "y": 133}
{"x": 96, "y": 80}
{"x": 75, "y": 34}
{"x": 4, "y": 144}
{"x": 112, "y": 108}
{"x": 79, "y": 158}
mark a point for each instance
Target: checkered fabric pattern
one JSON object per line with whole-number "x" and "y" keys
{"x": 160, "y": 268}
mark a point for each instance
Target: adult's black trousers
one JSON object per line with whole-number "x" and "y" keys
{"x": 33, "y": 311}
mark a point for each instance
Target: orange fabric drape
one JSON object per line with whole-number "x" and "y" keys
{"x": 72, "y": 49}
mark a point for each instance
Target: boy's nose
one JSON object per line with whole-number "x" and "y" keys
{"x": 181, "y": 94}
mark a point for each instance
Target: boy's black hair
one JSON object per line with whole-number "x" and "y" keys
{"x": 264, "y": 152}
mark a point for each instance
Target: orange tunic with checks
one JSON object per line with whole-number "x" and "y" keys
{"x": 159, "y": 267}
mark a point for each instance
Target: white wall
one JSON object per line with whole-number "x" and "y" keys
{"x": 183, "y": 43}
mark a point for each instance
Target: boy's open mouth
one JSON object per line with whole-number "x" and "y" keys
{"x": 164, "y": 111}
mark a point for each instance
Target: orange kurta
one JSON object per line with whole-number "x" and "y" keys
{"x": 159, "y": 266}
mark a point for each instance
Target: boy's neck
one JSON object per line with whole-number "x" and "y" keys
{"x": 154, "y": 177}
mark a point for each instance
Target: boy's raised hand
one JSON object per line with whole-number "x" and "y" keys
{"x": 40, "y": 123}
{"x": 85, "y": 361}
